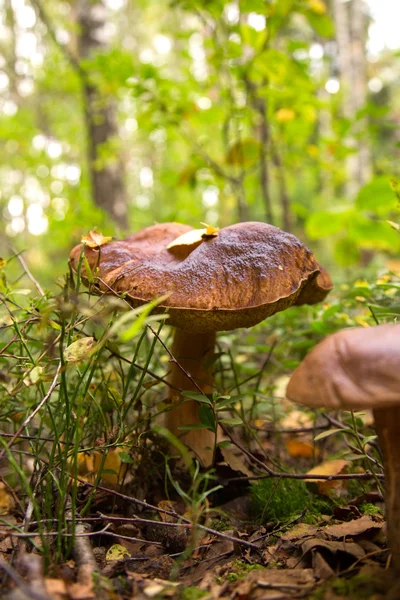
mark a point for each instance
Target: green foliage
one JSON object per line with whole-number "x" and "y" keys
{"x": 191, "y": 593}
{"x": 279, "y": 500}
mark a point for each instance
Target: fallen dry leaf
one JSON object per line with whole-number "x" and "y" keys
{"x": 56, "y": 588}
{"x": 329, "y": 467}
{"x": 6, "y": 501}
{"x": 79, "y": 591}
{"x": 300, "y": 449}
{"x": 299, "y": 531}
{"x": 334, "y": 547}
{"x": 95, "y": 239}
{"x": 187, "y": 242}
{"x": 275, "y": 584}
{"x": 353, "y": 528}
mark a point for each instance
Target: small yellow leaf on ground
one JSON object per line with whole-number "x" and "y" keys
{"x": 6, "y": 501}
{"x": 329, "y": 467}
{"x": 79, "y": 350}
{"x": 117, "y": 552}
{"x": 113, "y": 468}
{"x": 95, "y": 239}
{"x": 300, "y": 449}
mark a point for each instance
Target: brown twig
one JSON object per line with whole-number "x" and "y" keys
{"x": 28, "y": 273}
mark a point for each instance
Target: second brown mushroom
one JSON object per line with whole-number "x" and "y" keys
{"x": 357, "y": 369}
{"x": 235, "y": 277}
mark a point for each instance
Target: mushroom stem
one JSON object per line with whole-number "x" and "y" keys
{"x": 192, "y": 351}
{"x": 387, "y": 428}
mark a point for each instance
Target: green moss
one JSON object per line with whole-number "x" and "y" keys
{"x": 369, "y": 509}
{"x": 360, "y": 587}
{"x": 240, "y": 570}
{"x": 221, "y": 524}
{"x": 191, "y": 593}
{"x": 279, "y": 500}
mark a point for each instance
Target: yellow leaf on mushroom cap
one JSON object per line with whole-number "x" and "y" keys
{"x": 95, "y": 239}
{"x": 191, "y": 239}
{"x": 211, "y": 231}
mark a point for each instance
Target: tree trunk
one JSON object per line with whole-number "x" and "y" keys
{"x": 106, "y": 175}
{"x": 350, "y": 37}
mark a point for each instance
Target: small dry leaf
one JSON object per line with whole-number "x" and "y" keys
{"x": 79, "y": 350}
{"x": 95, "y": 239}
{"x": 350, "y": 548}
{"x": 56, "y": 588}
{"x": 6, "y": 501}
{"x": 187, "y": 242}
{"x": 353, "y": 528}
{"x": 300, "y": 449}
{"x": 113, "y": 468}
{"x": 211, "y": 231}
{"x": 329, "y": 467}
{"x": 167, "y": 505}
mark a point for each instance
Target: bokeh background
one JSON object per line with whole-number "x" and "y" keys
{"x": 116, "y": 114}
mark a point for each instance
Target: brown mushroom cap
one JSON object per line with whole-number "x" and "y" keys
{"x": 352, "y": 369}
{"x": 246, "y": 273}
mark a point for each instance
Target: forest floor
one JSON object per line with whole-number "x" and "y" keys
{"x": 318, "y": 544}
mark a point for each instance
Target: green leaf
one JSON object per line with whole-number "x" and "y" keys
{"x": 224, "y": 444}
{"x": 325, "y": 223}
{"x": 232, "y": 421}
{"x": 197, "y": 397}
{"x": 126, "y": 458}
{"x": 377, "y": 196}
{"x": 346, "y": 252}
{"x": 322, "y": 24}
{"x": 243, "y": 153}
{"x": 224, "y": 403}
{"x": 88, "y": 270}
{"x": 326, "y": 434}
{"x": 207, "y": 417}
{"x": 192, "y": 427}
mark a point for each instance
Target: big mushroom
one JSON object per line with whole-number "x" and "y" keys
{"x": 215, "y": 280}
{"x": 358, "y": 369}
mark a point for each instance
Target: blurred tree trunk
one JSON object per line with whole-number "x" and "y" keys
{"x": 351, "y": 37}
{"x": 106, "y": 175}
